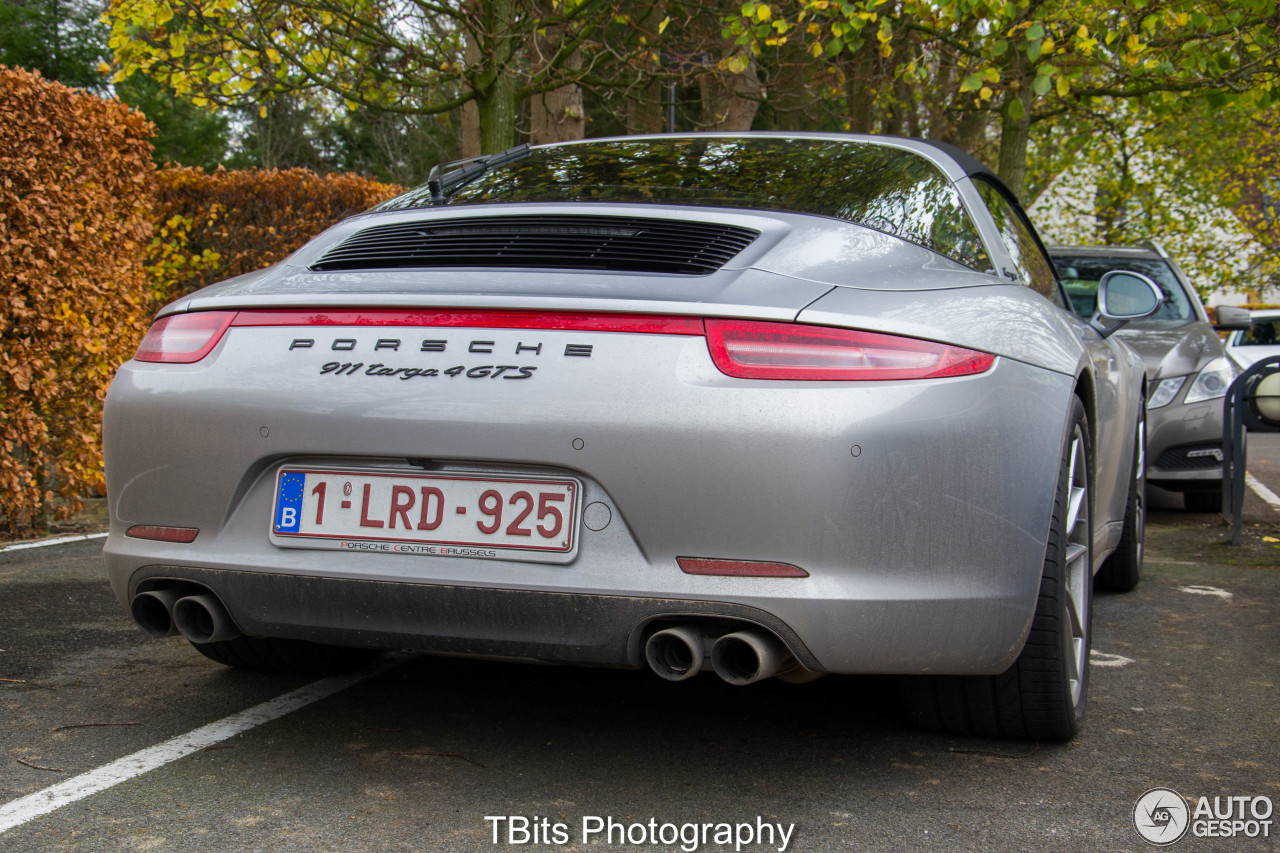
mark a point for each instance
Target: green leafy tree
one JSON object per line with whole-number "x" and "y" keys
{"x": 62, "y": 39}
{"x": 1194, "y": 182}
{"x": 1023, "y": 61}
{"x": 422, "y": 58}
{"x": 185, "y": 134}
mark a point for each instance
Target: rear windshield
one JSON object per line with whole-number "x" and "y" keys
{"x": 888, "y": 189}
{"x": 1080, "y": 277}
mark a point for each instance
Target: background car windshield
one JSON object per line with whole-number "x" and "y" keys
{"x": 1265, "y": 332}
{"x": 885, "y": 188}
{"x": 1080, "y": 277}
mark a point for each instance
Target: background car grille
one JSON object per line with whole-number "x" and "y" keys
{"x": 1177, "y": 458}
{"x": 623, "y": 244}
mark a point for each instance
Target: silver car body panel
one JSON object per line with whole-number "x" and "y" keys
{"x": 919, "y": 509}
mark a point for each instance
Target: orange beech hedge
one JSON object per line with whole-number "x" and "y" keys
{"x": 215, "y": 225}
{"x": 93, "y": 240}
{"x": 75, "y": 221}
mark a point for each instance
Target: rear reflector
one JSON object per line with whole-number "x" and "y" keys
{"x": 184, "y": 338}
{"x": 739, "y": 568}
{"x": 749, "y": 349}
{"x": 182, "y": 535}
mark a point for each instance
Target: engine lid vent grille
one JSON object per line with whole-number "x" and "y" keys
{"x": 621, "y": 244}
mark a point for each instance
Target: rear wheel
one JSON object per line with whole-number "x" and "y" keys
{"x": 275, "y": 654}
{"x": 1123, "y": 569}
{"x": 1042, "y": 695}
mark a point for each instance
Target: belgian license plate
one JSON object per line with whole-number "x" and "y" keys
{"x": 448, "y": 515}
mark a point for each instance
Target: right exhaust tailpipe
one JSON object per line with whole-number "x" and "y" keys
{"x": 203, "y": 619}
{"x": 676, "y": 653}
{"x": 153, "y": 611}
{"x": 748, "y": 656}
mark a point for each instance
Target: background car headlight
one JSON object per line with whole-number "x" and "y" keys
{"x": 1165, "y": 392}
{"x": 1212, "y": 381}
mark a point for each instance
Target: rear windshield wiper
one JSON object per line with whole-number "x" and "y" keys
{"x": 442, "y": 186}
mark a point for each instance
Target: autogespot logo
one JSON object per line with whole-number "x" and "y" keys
{"x": 1161, "y": 816}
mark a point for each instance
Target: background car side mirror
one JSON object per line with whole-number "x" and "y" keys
{"x": 1232, "y": 319}
{"x": 1123, "y": 296}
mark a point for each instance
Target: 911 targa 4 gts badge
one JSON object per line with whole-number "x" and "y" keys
{"x": 483, "y": 371}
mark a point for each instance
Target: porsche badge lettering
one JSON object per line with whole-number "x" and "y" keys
{"x": 481, "y": 371}
{"x": 432, "y": 345}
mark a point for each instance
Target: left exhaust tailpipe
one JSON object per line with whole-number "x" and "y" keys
{"x": 153, "y": 611}
{"x": 203, "y": 619}
{"x": 676, "y": 653}
{"x": 748, "y": 656}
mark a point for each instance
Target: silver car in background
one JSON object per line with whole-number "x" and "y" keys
{"x": 762, "y": 405}
{"x": 1188, "y": 371}
{"x": 1245, "y": 346}
{"x": 1260, "y": 340}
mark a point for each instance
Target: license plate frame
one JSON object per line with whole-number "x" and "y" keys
{"x": 534, "y": 518}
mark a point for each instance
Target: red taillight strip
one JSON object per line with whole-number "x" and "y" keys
{"x": 752, "y": 349}
{"x": 578, "y": 321}
{"x": 745, "y": 349}
{"x": 739, "y": 568}
{"x": 181, "y": 535}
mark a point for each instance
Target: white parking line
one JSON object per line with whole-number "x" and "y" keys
{"x": 1198, "y": 589}
{"x": 1097, "y": 658}
{"x": 1260, "y": 489}
{"x": 43, "y": 802}
{"x": 56, "y": 540}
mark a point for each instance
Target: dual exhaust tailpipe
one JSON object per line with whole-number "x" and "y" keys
{"x": 743, "y": 657}
{"x": 199, "y": 618}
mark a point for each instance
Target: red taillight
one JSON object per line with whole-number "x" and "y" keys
{"x": 184, "y": 338}
{"x": 182, "y": 535}
{"x": 754, "y": 350}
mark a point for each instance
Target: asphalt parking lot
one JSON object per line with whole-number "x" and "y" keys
{"x": 415, "y": 754}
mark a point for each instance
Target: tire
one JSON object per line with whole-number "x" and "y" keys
{"x": 1203, "y": 500}
{"x": 1042, "y": 695}
{"x": 274, "y": 654}
{"x": 1123, "y": 569}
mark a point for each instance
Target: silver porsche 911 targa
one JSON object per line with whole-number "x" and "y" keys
{"x": 762, "y": 404}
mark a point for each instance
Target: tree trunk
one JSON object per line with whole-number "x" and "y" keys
{"x": 969, "y": 131}
{"x": 469, "y": 131}
{"x": 469, "y": 115}
{"x": 645, "y": 113}
{"x": 859, "y": 104}
{"x": 497, "y": 109}
{"x": 489, "y": 51}
{"x": 557, "y": 115}
{"x": 1015, "y": 132}
{"x": 645, "y": 110}
{"x": 730, "y": 101}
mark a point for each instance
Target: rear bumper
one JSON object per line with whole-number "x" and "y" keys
{"x": 599, "y": 630}
{"x": 937, "y": 636}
